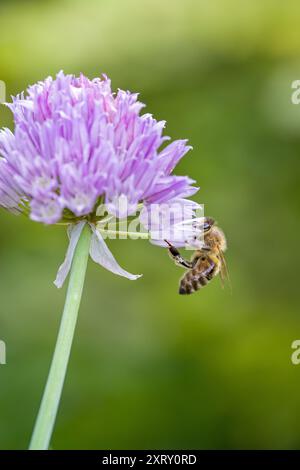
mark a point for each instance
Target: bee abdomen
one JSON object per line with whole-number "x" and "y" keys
{"x": 189, "y": 283}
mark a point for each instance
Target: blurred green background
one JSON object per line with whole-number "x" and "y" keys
{"x": 151, "y": 369}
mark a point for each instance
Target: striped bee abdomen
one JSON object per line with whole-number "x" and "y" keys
{"x": 198, "y": 277}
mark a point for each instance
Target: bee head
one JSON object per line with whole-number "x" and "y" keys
{"x": 208, "y": 223}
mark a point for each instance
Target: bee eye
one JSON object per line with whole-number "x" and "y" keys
{"x": 208, "y": 223}
{"x": 203, "y": 258}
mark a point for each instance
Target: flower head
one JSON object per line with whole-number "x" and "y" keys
{"x": 76, "y": 143}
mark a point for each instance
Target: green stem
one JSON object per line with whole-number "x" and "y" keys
{"x": 48, "y": 409}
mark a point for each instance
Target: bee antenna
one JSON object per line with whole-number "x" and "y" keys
{"x": 168, "y": 243}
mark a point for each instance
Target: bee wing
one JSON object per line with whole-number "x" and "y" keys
{"x": 224, "y": 274}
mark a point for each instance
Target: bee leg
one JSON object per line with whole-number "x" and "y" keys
{"x": 176, "y": 256}
{"x": 209, "y": 272}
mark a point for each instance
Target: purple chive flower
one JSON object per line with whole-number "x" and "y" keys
{"x": 76, "y": 145}
{"x": 75, "y": 142}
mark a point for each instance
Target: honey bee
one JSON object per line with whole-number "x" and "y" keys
{"x": 206, "y": 263}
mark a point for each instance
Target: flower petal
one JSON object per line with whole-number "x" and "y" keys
{"x": 100, "y": 253}
{"x": 174, "y": 221}
{"x": 74, "y": 233}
